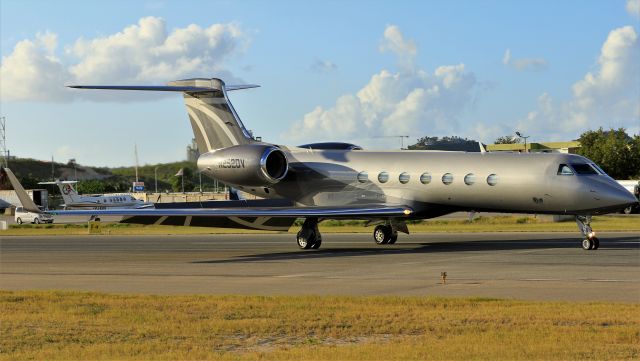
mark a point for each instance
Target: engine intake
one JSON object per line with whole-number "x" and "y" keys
{"x": 246, "y": 165}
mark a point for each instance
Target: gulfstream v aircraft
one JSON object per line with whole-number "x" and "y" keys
{"x": 73, "y": 200}
{"x": 342, "y": 181}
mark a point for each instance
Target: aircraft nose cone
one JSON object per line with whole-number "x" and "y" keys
{"x": 617, "y": 196}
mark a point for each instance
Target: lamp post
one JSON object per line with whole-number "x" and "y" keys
{"x": 525, "y": 141}
{"x": 155, "y": 177}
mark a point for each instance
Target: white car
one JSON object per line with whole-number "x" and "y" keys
{"x": 23, "y": 216}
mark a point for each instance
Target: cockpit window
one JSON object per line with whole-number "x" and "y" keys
{"x": 584, "y": 169}
{"x": 564, "y": 169}
{"x": 598, "y": 169}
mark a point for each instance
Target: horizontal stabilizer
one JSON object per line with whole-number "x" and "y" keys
{"x": 59, "y": 182}
{"x": 165, "y": 88}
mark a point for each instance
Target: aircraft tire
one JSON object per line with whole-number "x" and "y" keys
{"x": 587, "y": 244}
{"x": 382, "y": 234}
{"x": 306, "y": 239}
{"x": 394, "y": 238}
{"x": 596, "y": 242}
{"x": 317, "y": 243}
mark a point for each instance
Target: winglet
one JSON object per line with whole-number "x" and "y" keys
{"x": 27, "y": 202}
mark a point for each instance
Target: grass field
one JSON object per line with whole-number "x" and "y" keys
{"x": 90, "y": 326}
{"x": 480, "y": 224}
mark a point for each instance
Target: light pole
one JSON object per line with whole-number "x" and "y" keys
{"x": 525, "y": 141}
{"x": 155, "y": 177}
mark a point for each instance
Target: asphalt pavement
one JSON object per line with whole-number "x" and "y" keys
{"x": 521, "y": 265}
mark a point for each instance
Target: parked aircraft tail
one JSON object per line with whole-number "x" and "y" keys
{"x": 214, "y": 121}
{"x": 27, "y": 203}
{"x": 69, "y": 193}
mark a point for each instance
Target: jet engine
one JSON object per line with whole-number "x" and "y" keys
{"x": 254, "y": 165}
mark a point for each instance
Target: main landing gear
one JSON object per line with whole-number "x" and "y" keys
{"x": 590, "y": 241}
{"x": 387, "y": 233}
{"x": 309, "y": 236}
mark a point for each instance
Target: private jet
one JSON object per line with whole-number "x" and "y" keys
{"x": 321, "y": 181}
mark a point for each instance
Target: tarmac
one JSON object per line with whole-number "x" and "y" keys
{"x": 522, "y": 265}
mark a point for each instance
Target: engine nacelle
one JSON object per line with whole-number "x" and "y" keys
{"x": 254, "y": 165}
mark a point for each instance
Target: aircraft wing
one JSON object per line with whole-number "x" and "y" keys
{"x": 277, "y": 212}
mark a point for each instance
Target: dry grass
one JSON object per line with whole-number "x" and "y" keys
{"x": 480, "y": 224}
{"x": 89, "y": 326}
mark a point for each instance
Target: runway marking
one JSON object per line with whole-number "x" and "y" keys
{"x": 292, "y": 276}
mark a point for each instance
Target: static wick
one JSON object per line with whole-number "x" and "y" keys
{"x": 443, "y": 277}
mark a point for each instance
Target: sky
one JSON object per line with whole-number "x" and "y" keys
{"x": 355, "y": 71}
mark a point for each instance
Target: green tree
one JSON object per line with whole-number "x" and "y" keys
{"x": 614, "y": 151}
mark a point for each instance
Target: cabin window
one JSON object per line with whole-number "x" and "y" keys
{"x": 404, "y": 177}
{"x": 564, "y": 169}
{"x": 363, "y": 177}
{"x": 383, "y": 177}
{"x": 447, "y": 178}
{"x": 469, "y": 179}
{"x": 584, "y": 169}
{"x": 425, "y": 178}
{"x": 492, "y": 179}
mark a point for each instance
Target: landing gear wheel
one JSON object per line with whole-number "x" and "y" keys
{"x": 309, "y": 236}
{"x": 394, "y": 238}
{"x": 19, "y": 220}
{"x": 382, "y": 234}
{"x": 596, "y": 242}
{"x": 306, "y": 239}
{"x": 587, "y": 244}
{"x": 317, "y": 243}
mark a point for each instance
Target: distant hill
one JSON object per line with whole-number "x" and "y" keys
{"x": 102, "y": 179}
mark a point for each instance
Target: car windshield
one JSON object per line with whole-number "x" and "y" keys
{"x": 584, "y": 169}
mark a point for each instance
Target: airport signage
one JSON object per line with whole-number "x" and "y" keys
{"x": 138, "y": 186}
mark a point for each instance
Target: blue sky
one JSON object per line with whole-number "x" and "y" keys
{"x": 331, "y": 70}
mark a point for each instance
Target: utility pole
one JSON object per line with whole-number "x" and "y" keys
{"x": 155, "y": 177}
{"x": 3, "y": 142}
{"x": 525, "y": 141}
{"x": 395, "y": 136}
{"x": 135, "y": 151}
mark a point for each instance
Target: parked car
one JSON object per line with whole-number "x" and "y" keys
{"x": 23, "y": 216}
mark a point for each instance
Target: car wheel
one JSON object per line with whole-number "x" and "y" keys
{"x": 19, "y": 220}
{"x": 36, "y": 220}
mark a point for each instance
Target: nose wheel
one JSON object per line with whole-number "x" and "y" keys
{"x": 590, "y": 244}
{"x": 590, "y": 241}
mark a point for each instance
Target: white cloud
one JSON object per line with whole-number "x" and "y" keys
{"x": 524, "y": 64}
{"x": 406, "y": 50}
{"x": 610, "y": 96}
{"x": 323, "y": 66}
{"x": 141, "y": 53}
{"x": 633, "y": 7}
{"x": 411, "y": 101}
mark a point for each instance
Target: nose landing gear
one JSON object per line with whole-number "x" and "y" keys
{"x": 590, "y": 242}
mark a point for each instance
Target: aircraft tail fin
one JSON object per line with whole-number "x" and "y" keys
{"x": 27, "y": 203}
{"x": 69, "y": 193}
{"x": 214, "y": 121}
